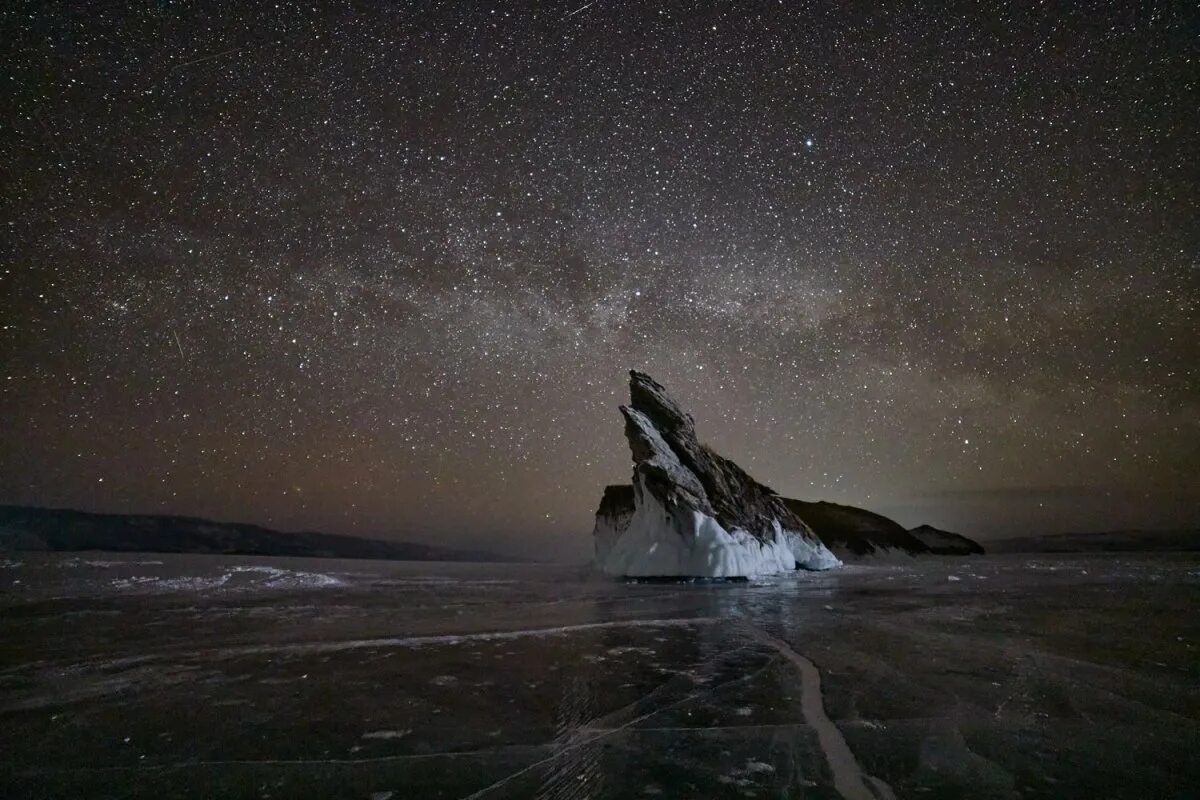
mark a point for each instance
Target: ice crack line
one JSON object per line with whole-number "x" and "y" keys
{"x": 458, "y": 638}
{"x": 848, "y": 777}
{"x": 587, "y": 736}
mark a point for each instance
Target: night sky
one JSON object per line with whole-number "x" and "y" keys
{"x": 383, "y": 270}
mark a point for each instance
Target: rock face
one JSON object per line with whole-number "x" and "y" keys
{"x": 945, "y": 543}
{"x": 691, "y": 512}
{"x": 854, "y": 533}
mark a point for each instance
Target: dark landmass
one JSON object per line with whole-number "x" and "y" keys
{"x": 855, "y": 532}
{"x": 683, "y": 476}
{"x": 1176, "y": 541}
{"x": 945, "y": 543}
{"x": 30, "y": 528}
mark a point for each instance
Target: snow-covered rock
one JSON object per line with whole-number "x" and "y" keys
{"x": 690, "y": 512}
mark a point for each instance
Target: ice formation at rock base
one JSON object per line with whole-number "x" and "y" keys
{"x": 692, "y": 513}
{"x": 661, "y": 542}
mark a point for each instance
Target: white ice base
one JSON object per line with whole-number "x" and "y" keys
{"x": 656, "y": 543}
{"x": 810, "y": 555}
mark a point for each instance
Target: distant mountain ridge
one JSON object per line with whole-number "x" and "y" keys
{"x": 1127, "y": 541}
{"x": 49, "y": 529}
{"x": 945, "y": 543}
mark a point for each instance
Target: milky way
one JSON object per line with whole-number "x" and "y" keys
{"x": 382, "y": 270}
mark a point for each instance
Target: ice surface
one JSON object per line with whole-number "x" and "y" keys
{"x": 1047, "y": 677}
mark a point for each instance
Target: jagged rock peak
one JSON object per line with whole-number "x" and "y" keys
{"x": 682, "y": 471}
{"x": 689, "y": 511}
{"x": 651, "y": 398}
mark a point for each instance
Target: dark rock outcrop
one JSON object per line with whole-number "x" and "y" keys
{"x": 686, "y": 498}
{"x": 852, "y": 532}
{"x": 617, "y": 500}
{"x": 945, "y": 543}
{"x": 689, "y": 510}
{"x": 681, "y": 472}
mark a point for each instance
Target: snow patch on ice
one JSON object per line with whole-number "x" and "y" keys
{"x": 235, "y": 578}
{"x": 286, "y": 578}
{"x": 626, "y": 649}
{"x": 75, "y": 562}
{"x": 387, "y": 734}
{"x": 745, "y": 777}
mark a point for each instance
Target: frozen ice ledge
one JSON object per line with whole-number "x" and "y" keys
{"x": 690, "y": 512}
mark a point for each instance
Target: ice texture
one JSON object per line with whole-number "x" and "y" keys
{"x": 1041, "y": 678}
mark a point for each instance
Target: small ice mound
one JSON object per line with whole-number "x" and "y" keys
{"x": 953, "y": 578}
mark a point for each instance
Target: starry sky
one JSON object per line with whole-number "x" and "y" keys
{"x": 382, "y": 268}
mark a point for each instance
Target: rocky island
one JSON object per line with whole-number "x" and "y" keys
{"x": 691, "y": 512}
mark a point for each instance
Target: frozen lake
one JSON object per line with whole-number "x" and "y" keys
{"x": 133, "y": 675}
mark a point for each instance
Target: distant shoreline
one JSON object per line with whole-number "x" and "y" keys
{"x": 34, "y": 529}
